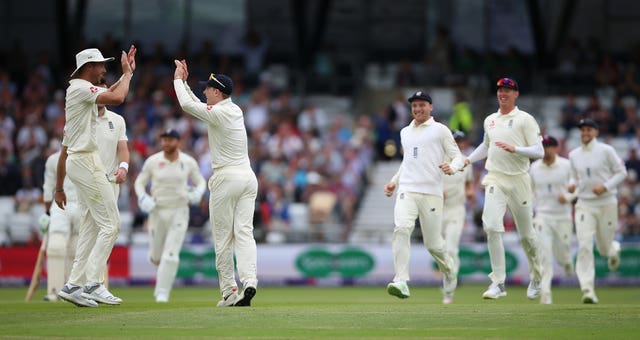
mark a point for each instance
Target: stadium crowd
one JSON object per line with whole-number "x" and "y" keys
{"x": 298, "y": 150}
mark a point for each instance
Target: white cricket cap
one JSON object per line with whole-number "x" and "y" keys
{"x": 89, "y": 55}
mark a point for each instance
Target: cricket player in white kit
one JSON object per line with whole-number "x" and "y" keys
{"x": 427, "y": 146}
{"x": 169, "y": 172}
{"x": 457, "y": 189}
{"x": 62, "y": 226}
{"x": 114, "y": 153}
{"x": 81, "y": 161}
{"x": 233, "y": 185}
{"x": 598, "y": 171}
{"x": 511, "y": 138}
{"x": 550, "y": 178}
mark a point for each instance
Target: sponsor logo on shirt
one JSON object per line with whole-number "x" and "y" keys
{"x": 161, "y": 165}
{"x": 492, "y": 124}
{"x": 209, "y": 107}
{"x": 93, "y": 89}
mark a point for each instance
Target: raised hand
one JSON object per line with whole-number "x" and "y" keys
{"x": 179, "y": 73}
{"x": 184, "y": 69}
{"x": 131, "y": 57}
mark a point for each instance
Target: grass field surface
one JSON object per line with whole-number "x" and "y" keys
{"x": 312, "y": 312}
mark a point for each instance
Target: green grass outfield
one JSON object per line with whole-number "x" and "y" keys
{"x": 310, "y": 312}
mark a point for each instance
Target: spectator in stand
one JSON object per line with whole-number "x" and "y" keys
{"x": 571, "y": 113}
{"x": 313, "y": 118}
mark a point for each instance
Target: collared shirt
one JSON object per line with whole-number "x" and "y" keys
{"x": 596, "y": 164}
{"x": 517, "y": 128}
{"x": 425, "y": 147}
{"x": 169, "y": 179}
{"x": 549, "y": 182}
{"x": 110, "y": 130}
{"x": 225, "y": 124}
{"x": 81, "y": 114}
{"x": 49, "y": 185}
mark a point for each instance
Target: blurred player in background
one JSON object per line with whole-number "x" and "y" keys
{"x": 457, "y": 189}
{"x": 233, "y": 185}
{"x": 169, "y": 172}
{"x": 598, "y": 171}
{"x": 62, "y": 226}
{"x": 426, "y": 144}
{"x": 550, "y": 178}
{"x": 80, "y": 160}
{"x": 511, "y": 138}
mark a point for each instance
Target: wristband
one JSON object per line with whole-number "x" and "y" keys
{"x": 124, "y": 165}
{"x": 59, "y": 190}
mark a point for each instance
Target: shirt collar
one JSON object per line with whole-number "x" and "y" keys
{"x": 589, "y": 146}
{"x": 511, "y": 113}
{"x": 426, "y": 123}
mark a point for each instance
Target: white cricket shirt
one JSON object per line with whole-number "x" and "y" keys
{"x": 454, "y": 186}
{"x": 111, "y": 129}
{"x": 548, "y": 183}
{"x": 596, "y": 164}
{"x": 425, "y": 147}
{"x": 517, "y": 128}
{"x": 49, "y": 185}
{"x": 81, "y": 114}
{"x": 169, "y": 180}
{"x": 225, "y": 125}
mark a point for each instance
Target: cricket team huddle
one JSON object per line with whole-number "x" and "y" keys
{"x": 82, "y": 184}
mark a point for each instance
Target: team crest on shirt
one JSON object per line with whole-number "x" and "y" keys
{"x": 93, "y": 89}
{"x": 510, "y": 123}
{"x": 492, "y": 124}
{"x": 111, "y": 127}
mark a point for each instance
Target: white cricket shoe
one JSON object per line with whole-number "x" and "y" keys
{"x": 447, "y": 298}
{"x": 229, "y": 300}
{"x": 99, "y": 293}
{"x": 496, "y": 290}
{"x": 614, "y": 261}
{"x": 162, "y": 298}
{"x": 398, "y": 289}
{"x": 533, "y": 291}
{"x": 73, "y": 294}
{"x": 589, "y": 297}
{"x": 244, "y": 298}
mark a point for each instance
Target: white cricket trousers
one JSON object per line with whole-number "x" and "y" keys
{"x": 513, "y": 192}
{"x": 428, "y": 209}
{"x": 100, "y": 225}
{"x": 599, "y": 222}
{"x": 231, "y": 207}
{"x": 61, "y": 247}
{"x": 452, "y": 225}
{"x": 554, "y": 234}
{"x": 167, "y": 228}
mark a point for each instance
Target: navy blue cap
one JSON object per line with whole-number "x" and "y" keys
{"x": 458, "y": 135}
{"x": 588, "y": 122}
{"x": 420, "y": 95}
{"x": 508, "y": 83}
{"x": 549, "y": 141}
{"x": 170, "y": 133}
{"x": 221, "y": 82}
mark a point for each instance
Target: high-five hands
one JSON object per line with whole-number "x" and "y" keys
{"x": 181, "y": 70}
{"x": 128, "y": 60}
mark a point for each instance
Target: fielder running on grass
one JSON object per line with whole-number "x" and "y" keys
{"x": 550, "y": 177}
{"x": 426, "y": 144}
{"x": 457, "y": 189}
{"x": 81, "y": 161}
{"x": 511, "y": 138}
{"x": 233, "y": 185}
{"x": 598, "y": 171}
{"x": 169, "y": 172}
